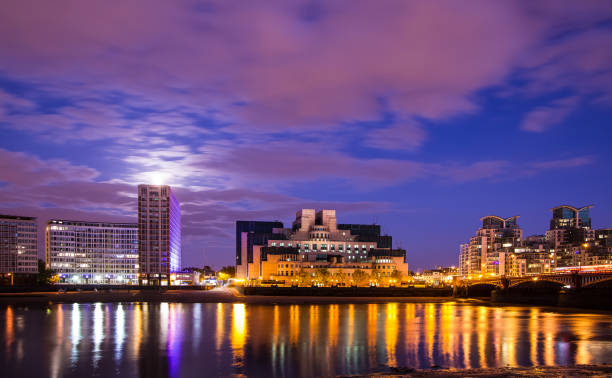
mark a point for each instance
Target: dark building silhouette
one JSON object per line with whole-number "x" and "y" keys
{"x": 257, "y": 233}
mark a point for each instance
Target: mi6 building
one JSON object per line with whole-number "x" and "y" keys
{"x": 266, "y": 251}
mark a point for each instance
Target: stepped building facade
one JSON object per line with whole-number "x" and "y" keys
{"x": 315, "y": 241}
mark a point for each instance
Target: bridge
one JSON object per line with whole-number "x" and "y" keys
{"x": 570, "y": 279}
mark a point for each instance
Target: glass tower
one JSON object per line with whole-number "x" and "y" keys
{"x": 159, "y": 234}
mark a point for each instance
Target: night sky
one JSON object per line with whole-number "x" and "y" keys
{"x": 420, "y": 116}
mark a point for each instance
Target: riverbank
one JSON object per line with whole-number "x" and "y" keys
{"x": 604, "y": 370}
{"x": 219, "y": 295}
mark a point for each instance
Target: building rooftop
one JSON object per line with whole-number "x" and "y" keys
{"x": 16, "y": 217}
{"x": 91, "y": 224}
{"x": 572, "y": 207}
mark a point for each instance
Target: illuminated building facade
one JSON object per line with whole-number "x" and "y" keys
{"x": 159, "y": 234}
{"x": 593, "y": 252}
{"x": 317, "y": 235}
{"x": 441, "y": 276}
{"x": 315, "y": 240}
{"x": 486, "y": 251}
{"x": 284, "y": 265}
{"x": 531, "y": 256}
{"x": 92, "y": 252}
{"x": 18, "y": 246}
{"x": 569, "y": 234}
{"x": 603, "y": 237}
{"x": 464, "y": 259}
{"x": 497, "y": 248}
{"x": 249, "y": 234}
{"x": 570, "y": 226}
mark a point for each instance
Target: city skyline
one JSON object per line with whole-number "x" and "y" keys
{"x": 384, "y": 113}
{"x": 275, "y": 188}
{"x": 265, "y": 227}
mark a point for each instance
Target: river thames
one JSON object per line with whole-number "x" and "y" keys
{"x": 225, "y": 339}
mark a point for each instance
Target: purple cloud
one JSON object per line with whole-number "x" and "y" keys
{"x": 289, "y": 72}
{"x": 544, "y": 117}
{"x": 400, "y": 136}
{"x": 24, "y": 169}
{"x": 234, "y": 103}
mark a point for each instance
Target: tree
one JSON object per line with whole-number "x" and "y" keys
{"x": 396, "y": 276}
{"x": 339, "y": 279}
{"x": 376, "y": 276}
{"x": 230, "y": 270}
{"x": 303, "y": 277}
{"x": 360, "y": 278}
{"x": 45, "y": 276}
{"x": 323, "y": 276}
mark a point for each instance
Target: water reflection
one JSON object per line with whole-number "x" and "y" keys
{"x": 182, "y": 340}
{"x": 75, "y": 332}
{"x": 98, "y": 332}
{"x": 238, "y": 335}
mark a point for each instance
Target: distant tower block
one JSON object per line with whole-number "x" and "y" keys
{"x": 159, "y": 234}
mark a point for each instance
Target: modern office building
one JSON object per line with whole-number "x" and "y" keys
{"x": 18, "y": 247}
{"x": 565, "y": 216}
{"x": 315, "y": 241}
{"x": 485, "y": 253}
{"x": 249, "y": 234}
{"x": 570, "y": 226}
{"x": 592, "y": 252}
{"x": 570, "y": 229}
{"x": 531, "y": 256}
{"x": 159, "y": 234}
{"x": 92, "y": 252}
{"x": 368, "y": 233}
{"x": 603, "y": 237}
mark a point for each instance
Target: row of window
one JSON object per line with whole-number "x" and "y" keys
{"x": 323, "y": 246}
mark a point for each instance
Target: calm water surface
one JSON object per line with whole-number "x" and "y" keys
{"x": 187, "y": 340}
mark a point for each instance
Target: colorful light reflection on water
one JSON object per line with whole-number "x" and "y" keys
{"x": 183, "y": 340}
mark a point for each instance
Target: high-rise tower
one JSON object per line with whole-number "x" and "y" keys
{"x": 159, "y": 234}
{"x": 570, "y": 229}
